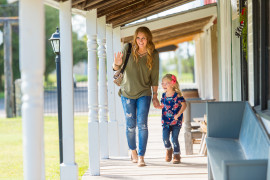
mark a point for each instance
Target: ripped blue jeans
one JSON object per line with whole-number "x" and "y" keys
{"x": 136, "y": 112}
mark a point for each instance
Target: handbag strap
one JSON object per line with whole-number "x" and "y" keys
{"x": 127, "y": 57}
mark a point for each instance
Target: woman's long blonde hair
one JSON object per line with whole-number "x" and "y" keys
{"x": 176, "y": 86}
{"x": 149, "y": 46}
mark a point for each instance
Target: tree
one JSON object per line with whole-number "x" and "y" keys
{"x": 51, "y": 22}
{"x": 79, "y": 46}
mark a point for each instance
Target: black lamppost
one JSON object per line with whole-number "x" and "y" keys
{"x": 55, "y": 41}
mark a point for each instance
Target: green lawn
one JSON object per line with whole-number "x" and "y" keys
{"x": 2, "y": 95}
{"x": 11, "y": 156}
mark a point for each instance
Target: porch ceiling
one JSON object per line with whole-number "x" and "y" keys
{"x": 176, "y": 33}
{"x": 121, "y": 12}
{"x": 176, "y": 28}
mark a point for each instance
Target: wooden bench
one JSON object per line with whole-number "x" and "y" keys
{"x": 237, "y": 144}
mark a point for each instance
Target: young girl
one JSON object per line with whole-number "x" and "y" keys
{"x": 173, "y": 105}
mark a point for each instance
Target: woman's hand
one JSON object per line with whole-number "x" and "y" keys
{"x": 118, "y": 59}
{"x": 156, "y": 102}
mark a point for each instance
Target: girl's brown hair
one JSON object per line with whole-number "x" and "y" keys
{"x": 149, "y": 46}
{"x": 176, "y": 86}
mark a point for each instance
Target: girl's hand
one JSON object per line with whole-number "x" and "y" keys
{"x": 176, "y": 116}
{"x": 118, "y": 59}
{"x": 159, "y": 107}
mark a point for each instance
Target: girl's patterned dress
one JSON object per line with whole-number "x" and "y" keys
{"x": 170, "y": 107}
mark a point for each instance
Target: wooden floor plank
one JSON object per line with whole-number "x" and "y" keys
{"x": 192, "y": 167}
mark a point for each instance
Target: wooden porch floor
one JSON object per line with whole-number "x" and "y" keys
{"x": 192, "y": 166}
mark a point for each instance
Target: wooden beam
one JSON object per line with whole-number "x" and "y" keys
{"x": 174, "y": 41}
{"x": 188, "y": 26}
{"x": 75, "y": 2}
{"x": 120, "y": 5}
{"x": 102, "y": 4}
{"x": 138, "y": 7}
{"x": 91, "y": 3}
{"x": 145, "y": 11}
{"x": 171, "y": 20}
{"x": 176, "y": 30}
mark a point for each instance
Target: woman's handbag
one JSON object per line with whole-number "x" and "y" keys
{"x": 118, "y": 75}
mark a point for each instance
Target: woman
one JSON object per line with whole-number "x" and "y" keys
{"x": 141, "y": 74}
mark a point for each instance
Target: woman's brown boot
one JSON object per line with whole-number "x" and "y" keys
{"x": 176, "y": 159}
{"x": 168, "y": 157}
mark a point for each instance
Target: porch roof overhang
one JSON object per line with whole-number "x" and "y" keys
{"x": 167, "y": 30}
{"x": 176, "y": 28}
{"x": 121, "y": 12}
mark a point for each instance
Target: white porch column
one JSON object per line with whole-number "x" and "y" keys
{"x": 68, "y": 169}
{"x": 200, "y": 66}
{"x": 102, "y": 88}
{"x": 113, "y": 125}
{"x": 93, "y": 124}
{"x": 123, "y": 148}
{"x": 224, "y": 28}
{"x": 32, "y": 68}
{"x": 208, "y": 66}
{"x": 250, "y": 56}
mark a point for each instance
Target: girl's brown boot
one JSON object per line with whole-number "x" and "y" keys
{"x": 176, "y": 159}
{"x": 168, "y": 157}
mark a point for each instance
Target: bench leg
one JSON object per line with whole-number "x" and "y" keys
{"x": 188, "y": 143}
{"x": 210, "y": 175}
{"x": 202, "y": 143}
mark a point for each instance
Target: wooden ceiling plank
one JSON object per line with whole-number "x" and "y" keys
{"x": 75, "y": 2}
{"x": 91, "y": 3}
{"x": 126, "y": 13}
{"x": 169, "y": 30}
{"x": 174, "y": 41}
{"x": 177, "y": 37}
{"x": 171, "y": 20}
{"x": 121, "y": 5}
{"x": 140, "y": 8}
{"x": 103, "y": 4}
{"x": 192, "y": 22}
{"x": 163, "y": 38}
{"x": 178, "y": 29}
{"x": 145, "y": 12}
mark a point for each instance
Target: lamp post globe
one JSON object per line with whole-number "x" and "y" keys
{"x": 55, "y": 41}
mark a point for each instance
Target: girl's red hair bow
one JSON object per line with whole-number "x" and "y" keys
{"x": 173, "y": 79}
